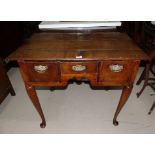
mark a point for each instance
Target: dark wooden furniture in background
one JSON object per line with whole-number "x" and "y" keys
{"x": 149, "y": 47}
{"x": 12, "y": 34}
{"x": 104, "y": 59}
{"x": 11, "y": 37}
{"x": 5, "y": 85}
{"x": 138, "y": 31}
{"x": 134, "y": 29}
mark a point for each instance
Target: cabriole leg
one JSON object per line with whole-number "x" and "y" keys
{"x": 34, "y": 98}
{"x": 125, "y": 95}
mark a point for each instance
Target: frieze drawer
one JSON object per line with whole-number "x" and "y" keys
{"x": 42, "y": 71}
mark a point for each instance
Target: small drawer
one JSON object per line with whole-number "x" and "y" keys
{"x": 42, "y": 71}
{"x": 115, "y": 71}
{"x": 79, "y": 70}
{"x": 78, "y": 67}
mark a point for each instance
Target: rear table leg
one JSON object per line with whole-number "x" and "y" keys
{"x": 153, "y": 106}
{"x": 12, "y": 92}
{"x": 141, "y": 77}
{"x": 146, "y": 79}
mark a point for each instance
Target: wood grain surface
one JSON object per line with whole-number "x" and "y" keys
{"x": 66, "y": 46}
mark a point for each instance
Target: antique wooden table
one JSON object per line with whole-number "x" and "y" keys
{"x": 102, "y": 58}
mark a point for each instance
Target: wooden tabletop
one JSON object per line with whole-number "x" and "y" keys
{"x": 66, "y": 46}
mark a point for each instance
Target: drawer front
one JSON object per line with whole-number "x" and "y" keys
{"x": 79, "y": 70}
{"x": 78, "y": 67}
{"x": 42, "y": 71}
{"x": 115, "y": 71}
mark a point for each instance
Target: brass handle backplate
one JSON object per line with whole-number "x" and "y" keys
{"x": 41, "y": 68}
{"x": 78, "y": 68}
{"x": 116, "y": 68}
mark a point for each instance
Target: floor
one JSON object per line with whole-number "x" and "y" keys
{"x": 77, "y": 109}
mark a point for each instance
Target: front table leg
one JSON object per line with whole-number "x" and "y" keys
{"x": 125, "y": 95}
{"x": 34, "y": 98}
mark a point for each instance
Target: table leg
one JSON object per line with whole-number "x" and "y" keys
{"x": 12, "y": 92}
{"x": 34, "y": 98}
{"x": 125, "y": 95}
{"x": 146, "y": 79}
{"x": 153, "y": 106}
{"x": 141, "y": 77}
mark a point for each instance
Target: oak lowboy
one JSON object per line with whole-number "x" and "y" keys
{"x": 102, "y": 58}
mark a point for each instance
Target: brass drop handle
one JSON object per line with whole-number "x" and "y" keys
{"x": 41, "y": 68}
{"x": 78, "y": 68}
{"x": 116, "y": 68}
